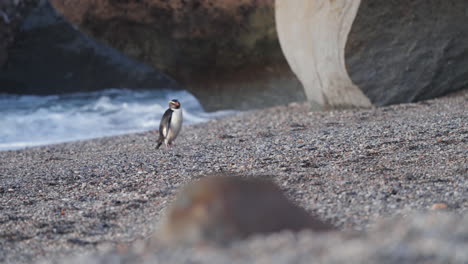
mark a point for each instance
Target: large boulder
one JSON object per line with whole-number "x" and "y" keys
{"x": 405, "y": 51}
{"x": 225, "y": 52}
{"x": 47, "y": 55}
{"x": 395, "y": 51}
{"x": 313, "y": 36}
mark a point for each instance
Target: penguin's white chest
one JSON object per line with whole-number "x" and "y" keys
{"x": 175, "y": 125}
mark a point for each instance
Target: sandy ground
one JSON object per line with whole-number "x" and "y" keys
{"x": 353, "y": 168}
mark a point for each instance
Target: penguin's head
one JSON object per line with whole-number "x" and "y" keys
{"x": 174, "y": 104}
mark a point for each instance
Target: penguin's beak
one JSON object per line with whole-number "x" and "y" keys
{"x": 174, "y": 103}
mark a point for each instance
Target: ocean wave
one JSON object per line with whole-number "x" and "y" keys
{"x": 28, "y": 120}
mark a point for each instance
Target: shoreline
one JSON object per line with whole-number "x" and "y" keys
{"x": 30, "y": 121}
{"x": 349, "y": 167}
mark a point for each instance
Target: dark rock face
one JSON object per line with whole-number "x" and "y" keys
{"x": 12, "y": 14}
{"x": 225, "y": 52}
{"x": 49, "y": 56}
{"x": 6, "y": 35}
{"x": 405, "y": 51}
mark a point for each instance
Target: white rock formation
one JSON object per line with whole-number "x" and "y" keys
{"x": 313, "y": 36}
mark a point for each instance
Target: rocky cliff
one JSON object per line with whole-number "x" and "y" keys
{"x": 44, "y": 54}
{"x": 225, "y": 52}
{"x": 346, "y": 53}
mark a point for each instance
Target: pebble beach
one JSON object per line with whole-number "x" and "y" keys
{"x": 393, "y": 180}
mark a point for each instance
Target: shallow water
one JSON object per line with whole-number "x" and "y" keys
{"x": 27, "y": 120}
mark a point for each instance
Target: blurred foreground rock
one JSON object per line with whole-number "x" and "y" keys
{"x": 222, "y": 209}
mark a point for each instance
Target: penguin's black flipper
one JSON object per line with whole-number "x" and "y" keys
{"x": 164, "y": 126}
{"x": 165, "y": 123}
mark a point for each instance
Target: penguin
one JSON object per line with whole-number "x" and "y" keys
{"x": 171, "y": 123}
